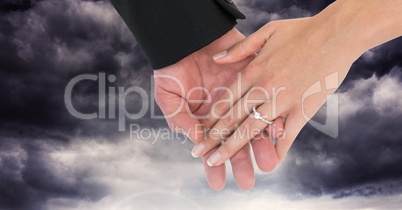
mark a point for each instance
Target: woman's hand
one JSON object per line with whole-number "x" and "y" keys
{"x": 300, "y": 63}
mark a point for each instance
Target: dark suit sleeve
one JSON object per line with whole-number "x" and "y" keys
{"x": 170, "y": 30}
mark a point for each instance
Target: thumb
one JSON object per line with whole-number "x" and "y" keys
{"x": 188, "y": 125}
{"x": 245, "y": 48}
{"x": 179, "y": 117}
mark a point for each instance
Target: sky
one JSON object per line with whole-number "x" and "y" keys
{"x": 49, "y": 159}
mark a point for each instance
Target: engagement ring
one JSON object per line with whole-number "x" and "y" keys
{"x": 258, "y": 116}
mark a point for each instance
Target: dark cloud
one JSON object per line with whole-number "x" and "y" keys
{"x": 15, "y": 5}
{"x": 44, "y": 44}
{"x": 30, "y": 176}
{"x": 45, "y": 47}
{"x": 379, "y": 61}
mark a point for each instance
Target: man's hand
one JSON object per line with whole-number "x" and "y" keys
{"x": 186, "y": 92}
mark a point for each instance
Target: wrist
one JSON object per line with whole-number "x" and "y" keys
{"x": 361, "y": 25}
{"x": 345, "y": 33}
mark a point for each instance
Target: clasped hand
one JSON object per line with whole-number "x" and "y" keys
{"x": 225, "y": 81}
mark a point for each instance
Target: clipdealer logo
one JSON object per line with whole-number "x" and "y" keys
{"x": 109, "y": 93}
{"x": 109, "y": 98}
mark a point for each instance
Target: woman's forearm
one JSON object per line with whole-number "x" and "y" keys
{"x": 364, "y": 24}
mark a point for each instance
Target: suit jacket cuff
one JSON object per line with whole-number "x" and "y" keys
{"x": 170, "y": 30}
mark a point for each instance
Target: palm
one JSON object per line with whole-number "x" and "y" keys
{"x": 190, "y": 75}
{"x": 195, "y": 71}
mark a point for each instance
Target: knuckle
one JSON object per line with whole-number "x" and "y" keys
{"x": 242, "y": 46}
{"x": 228, "y": 122}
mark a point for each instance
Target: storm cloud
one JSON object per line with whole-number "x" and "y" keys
{"x": 52, "y": 160}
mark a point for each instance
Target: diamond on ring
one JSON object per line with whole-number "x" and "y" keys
{"x": 258, "y": 116}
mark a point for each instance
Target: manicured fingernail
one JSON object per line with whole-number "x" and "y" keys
{"x": 214, "y": 159}
{"x": 220, "y": 55}
{"x": 198, "y": 150}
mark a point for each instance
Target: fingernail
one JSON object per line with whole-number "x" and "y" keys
{"x": 284, "y": 119}
{"x": 214, "y": 159}
{"x": 274, "y": 140}
{"x": 220, "y": 55}
{"x": 198, "y": 150}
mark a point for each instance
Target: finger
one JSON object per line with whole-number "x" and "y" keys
{"x": 285, "y": 139}
{"x": 245, "y": 48}
{"x": 246, "y": 131}
{"x": 276, "y": 129}
{"x": 187, "y": 125}
{"x": 264, "y": 151}
{"x": 177, "y": 114}
{"x": 242, "y": 168}
{"x": 232, "y": 94}
{"x": 216, "y": 176}
{"x": 225, "y": 126}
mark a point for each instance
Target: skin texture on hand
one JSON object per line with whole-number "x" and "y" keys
{"x": 185, "y": 93}
{"x": 294, "y": 57}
